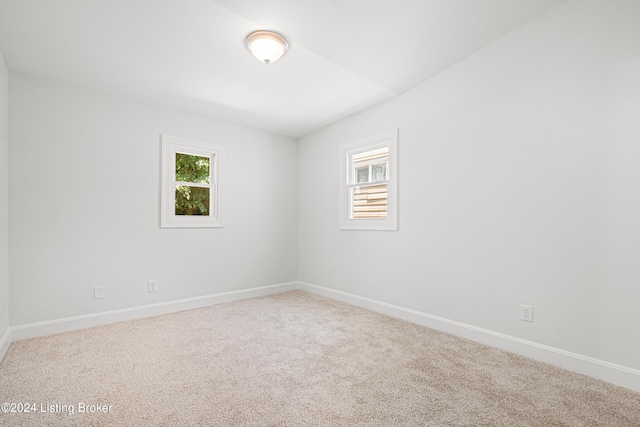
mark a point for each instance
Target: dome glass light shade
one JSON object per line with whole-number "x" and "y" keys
{"x": 267, "y": 46}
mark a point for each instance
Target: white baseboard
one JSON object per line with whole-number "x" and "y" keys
{"x": 602, "y": 370}
{"x": 5, "y": 342}
{"x": 57, "y": 326}
{"x": 606, "y": 371}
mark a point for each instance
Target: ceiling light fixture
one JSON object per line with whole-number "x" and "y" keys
{"x": 267, "y": 46}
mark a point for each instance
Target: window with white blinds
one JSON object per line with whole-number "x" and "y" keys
{"x": 369, "y": 198}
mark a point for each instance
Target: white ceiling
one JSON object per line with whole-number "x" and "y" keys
{"x": 345, "y": 55}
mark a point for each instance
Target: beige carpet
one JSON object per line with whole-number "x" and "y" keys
{"x": 293, "y": 359}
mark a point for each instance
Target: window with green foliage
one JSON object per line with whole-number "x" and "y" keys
{"x": 193, "y": 179}
{"x": 191, "y": 183}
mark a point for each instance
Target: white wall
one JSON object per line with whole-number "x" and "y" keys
{"x": 518, "y": 184}
{"x": 84, "y": 206}
{"x": 4, "y": 205}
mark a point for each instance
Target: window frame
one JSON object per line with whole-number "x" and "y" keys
{"x": 172, "y": 145}
{"x": 348, "y": 181}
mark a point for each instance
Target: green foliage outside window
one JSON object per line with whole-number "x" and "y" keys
{"x": 190, "y": 168}
{"x": 192, "y": 200}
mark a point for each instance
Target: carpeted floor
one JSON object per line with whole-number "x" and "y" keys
{"x": 293, "y": 359}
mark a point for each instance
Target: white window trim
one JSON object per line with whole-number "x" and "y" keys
{"x": 172, "y": 145}
{"x": 387, "y": 139}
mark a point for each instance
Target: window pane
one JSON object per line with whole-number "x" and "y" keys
{"x": 362, "y": 175}
{"x": 369, "y": 201}
{"x": 379, "y": 172}
{"x": 191, "y": 168}
{"x": 370, "y": 157}
{"x": 192, "y": 200}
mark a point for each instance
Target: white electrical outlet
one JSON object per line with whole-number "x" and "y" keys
{"x": 152, "y": 286}
{"x": 98, "y": 292}
{"x": 526, "y": 313}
